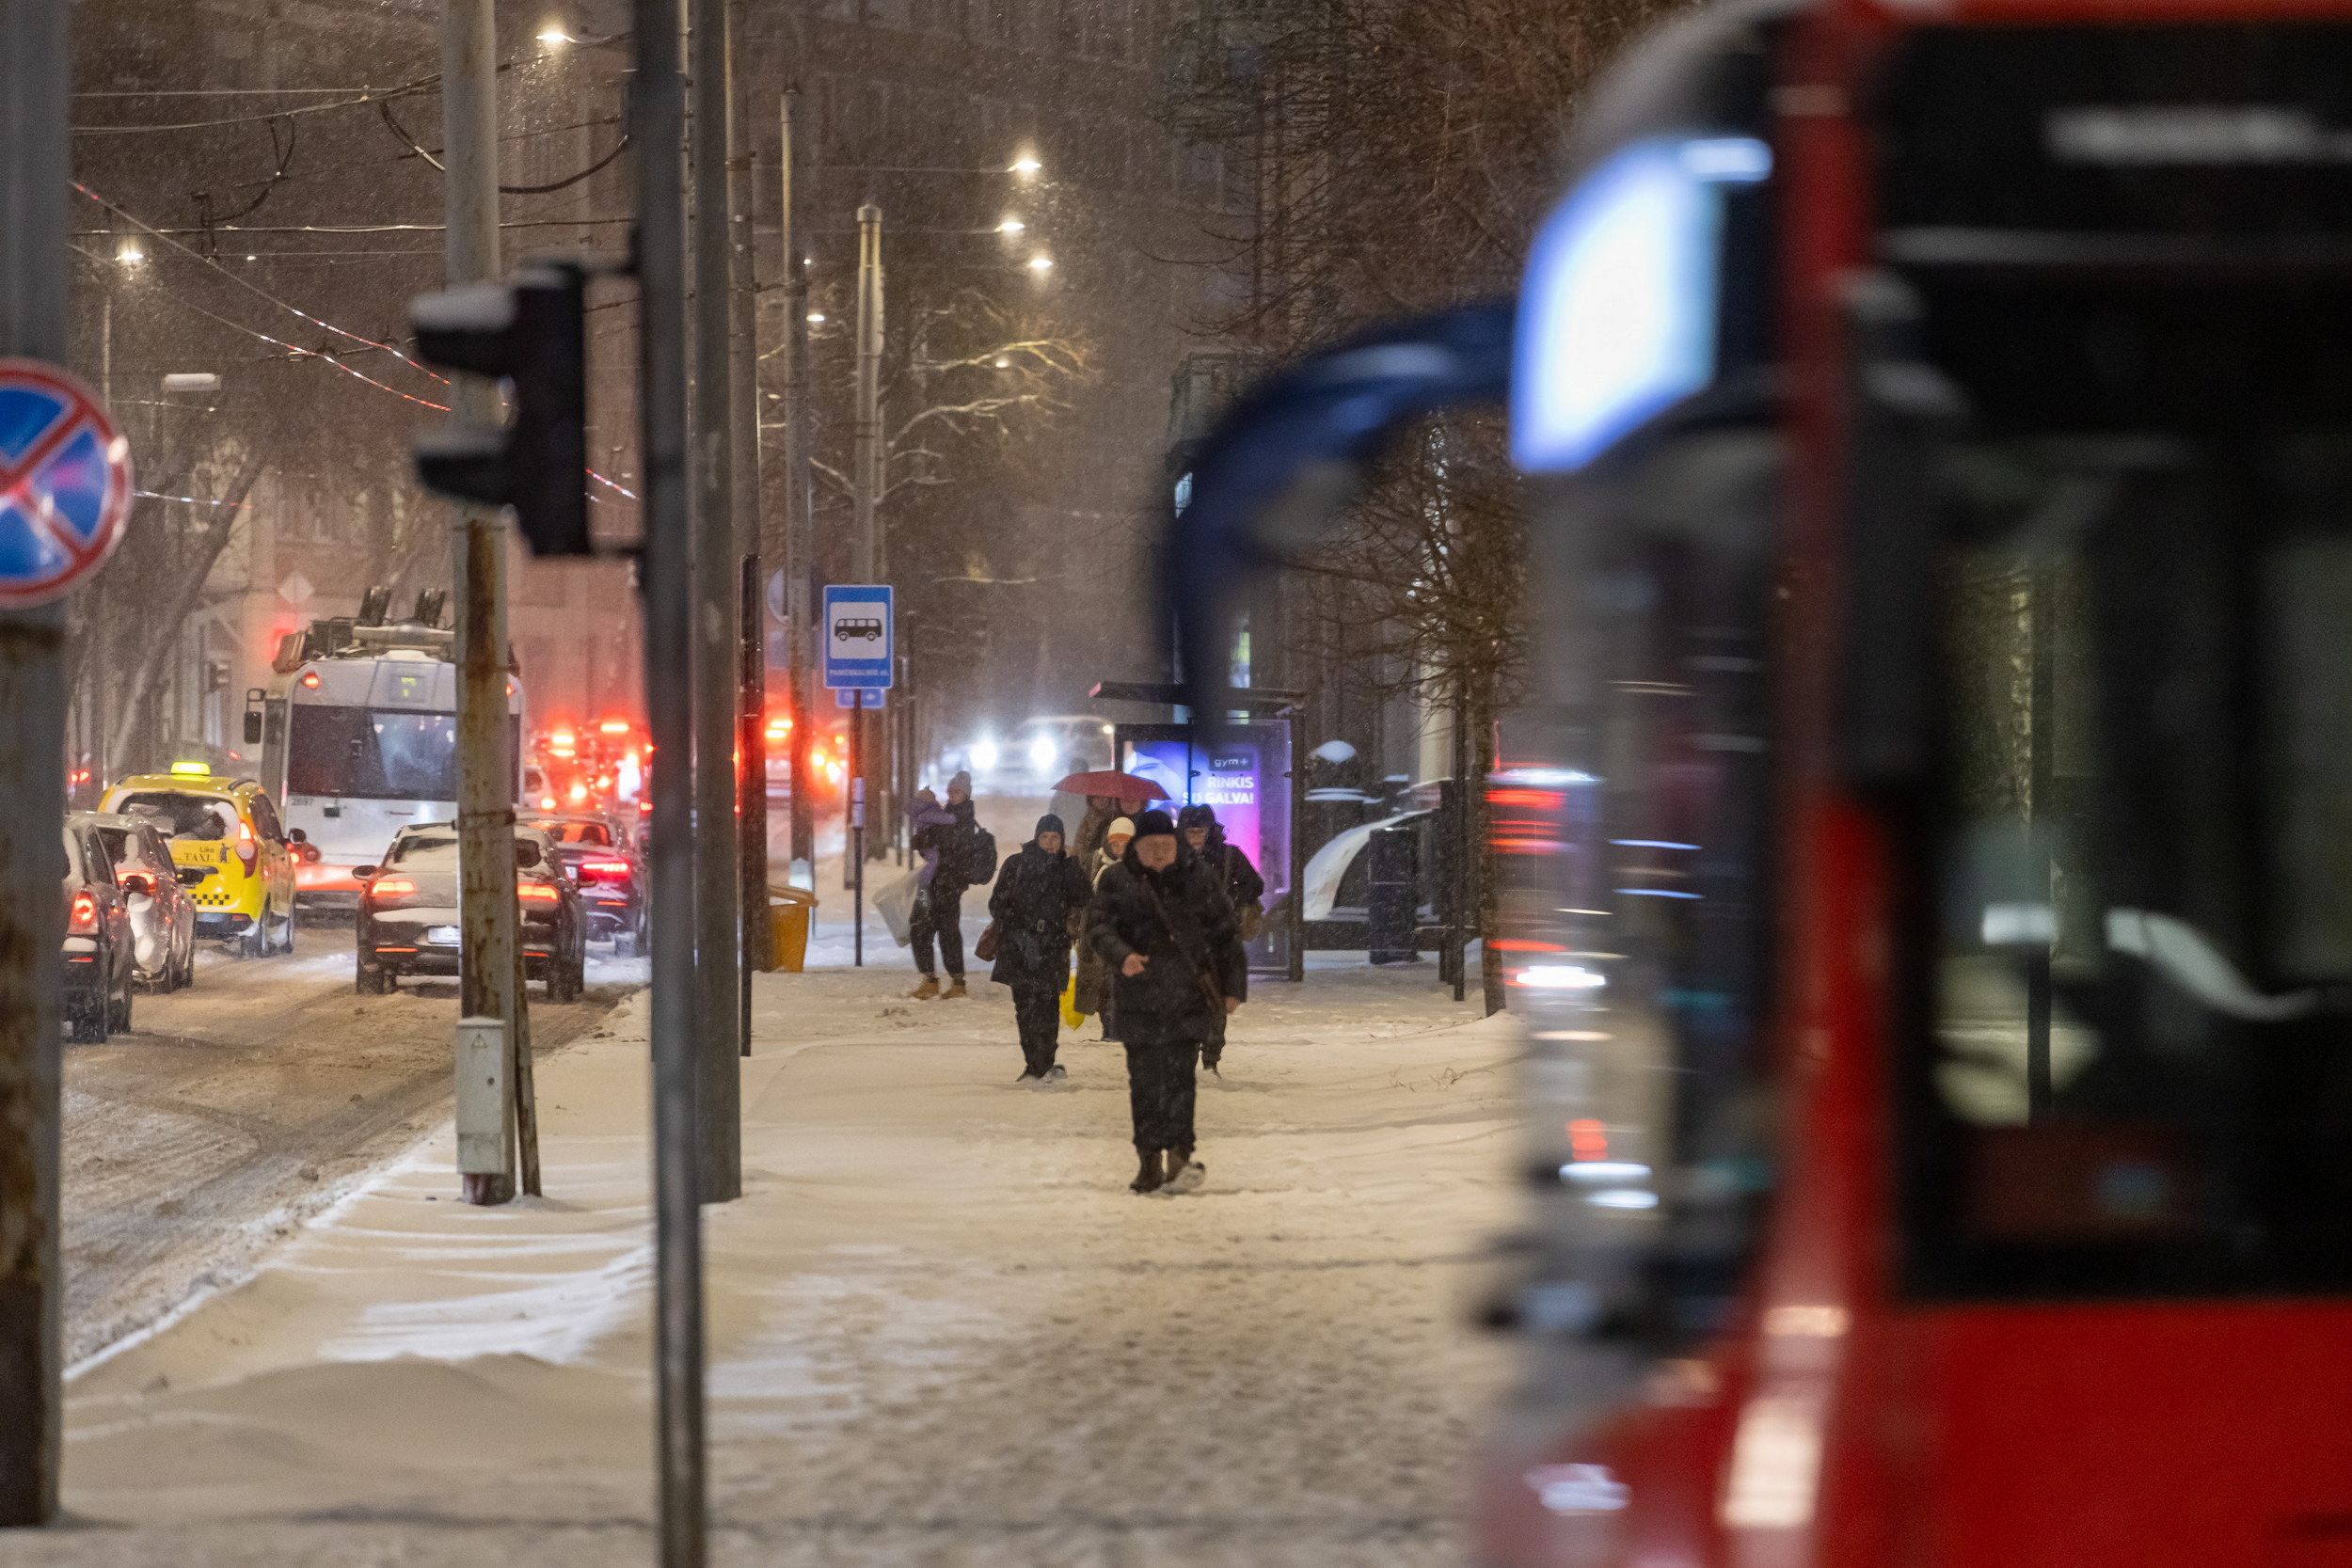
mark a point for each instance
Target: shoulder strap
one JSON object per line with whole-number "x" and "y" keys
{"x": 1201, "y": 975}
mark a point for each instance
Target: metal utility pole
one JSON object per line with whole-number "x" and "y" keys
{"x": 665, "y": 580}
{"x": 866, "y": 458}
{"x": 489, "y": 984}
{"x": 36, "y": 75}
{"x": 800, "y": 517}
{"x": 718, "y": 922}
{"x": 868, "y": 466}
{"x": 750, "y": 743}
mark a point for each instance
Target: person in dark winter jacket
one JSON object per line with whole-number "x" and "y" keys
{"x": 1162, "y": 922}
{"x": 1040, "y": 894}
{"x": 1205, "y": 837}
{"x": 941, "y": 835}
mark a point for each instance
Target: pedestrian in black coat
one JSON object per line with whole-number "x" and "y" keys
{"x": 942, "y": 836}
{"x": 1204, "y": 835}
{"x": 1162, "y": 922}
{"x": 1040, "y": 894}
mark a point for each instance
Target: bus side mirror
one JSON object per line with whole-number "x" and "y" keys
{"x": 252, "y": 726}
{"x": 298, "y": 836}
{"x": 526, "y": 856}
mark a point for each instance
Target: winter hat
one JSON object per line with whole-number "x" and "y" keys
{"x": 1049, "y": 823}
{"x": 1119, "y": 828}
{"x": 1196, "y": 816}
{"x": 1151, "y": 822}
{"x": 962, "y": 782}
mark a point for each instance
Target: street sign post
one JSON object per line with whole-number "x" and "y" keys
{"x": 65, "y": 483}
{"x": 857, "y": 696}
{"x": 860, "y": 636}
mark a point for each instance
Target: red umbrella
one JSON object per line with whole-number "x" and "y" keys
{"x": 1125, "y": 787}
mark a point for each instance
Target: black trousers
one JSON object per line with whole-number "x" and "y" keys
{"x": 1160, "y": 1086}
{"x": 935, "y": 916}
{"x": 1038, "y": 1011}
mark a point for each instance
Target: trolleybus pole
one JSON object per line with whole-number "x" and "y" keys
{"x": 36, "y": 72}
{"x": 664, "y": 581}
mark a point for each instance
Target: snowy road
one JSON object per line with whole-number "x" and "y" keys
{"x": 235, "y": 1110}
{"x": 942, "y": 1332}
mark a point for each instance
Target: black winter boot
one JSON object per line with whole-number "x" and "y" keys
{"x": 1149, "y": 1177}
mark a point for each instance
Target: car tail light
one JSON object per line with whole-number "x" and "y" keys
{"x": 604, "y": 871}
{"x": 391, "y": 887}
{"x": 82, "y": 921}
{"x": 248, "y": 851}
{"x": 537, "y": 892}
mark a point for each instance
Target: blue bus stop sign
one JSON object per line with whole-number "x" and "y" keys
{"x": 860, "y": 641}
{"x": 65, "y": 483}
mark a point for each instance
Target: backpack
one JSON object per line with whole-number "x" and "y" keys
{"x": 975, "y": 856}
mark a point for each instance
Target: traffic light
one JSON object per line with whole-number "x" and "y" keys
{"x": 532, "y": 331}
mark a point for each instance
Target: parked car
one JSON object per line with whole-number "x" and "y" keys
{"x": 599, "y": 856}
{"x": 163, "y": 916}
{"x": 99, "y": 962}
{"x": 228, "y": 832}
{"x": 408, "y": 912}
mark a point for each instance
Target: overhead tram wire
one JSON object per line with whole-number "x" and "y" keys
{"x": 397, "y": 129}
{"x": 247, "y": 284}
{"x": 360, "y": 97}
{"x": 379, "y": 228}
{"x": 295, "y": 350}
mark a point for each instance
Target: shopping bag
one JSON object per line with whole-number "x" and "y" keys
{"x": 896, "y": 903}
{"x": 1071, "y": 1017}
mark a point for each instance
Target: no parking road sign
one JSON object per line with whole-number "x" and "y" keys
{"x": 858, "y": 636}
{"x": 65, "y": 483}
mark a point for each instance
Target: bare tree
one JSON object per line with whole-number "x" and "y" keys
{"x": 1395, "y": 157}
{"x": 982, "y": 378}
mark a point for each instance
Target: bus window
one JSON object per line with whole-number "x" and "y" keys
{"x": 1644, "y": 1012}
{"x": 372, "y": 754}
{"x": 2137, "y": 1075}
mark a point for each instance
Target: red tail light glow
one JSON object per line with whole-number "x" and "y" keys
{"x": 1589, "y": 1139}
{"x": 602, "y": 870}
{"x": 391, "y": 887}
{"x": 82, "y": 922}
{"x": 537, "y": 892}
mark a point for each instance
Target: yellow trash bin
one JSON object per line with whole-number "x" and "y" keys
{"x": 789, "y": 911}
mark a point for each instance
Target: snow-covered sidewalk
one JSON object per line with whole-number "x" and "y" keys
{"x": 942, "y": 1330}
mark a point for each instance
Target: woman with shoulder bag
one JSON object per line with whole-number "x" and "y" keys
{"x": 1162, "y": 923}
{"x": 1039, "y": 892}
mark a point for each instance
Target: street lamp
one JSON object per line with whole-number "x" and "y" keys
{"x": 1040, "y": 265}
{"x": 1011, "y": 226}
{"x": 553, "y": 35}
{"x": 129, "y": 252}
{"x": 1026, "y": 164}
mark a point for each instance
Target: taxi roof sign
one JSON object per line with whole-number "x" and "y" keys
{"x": 191, "y": 770}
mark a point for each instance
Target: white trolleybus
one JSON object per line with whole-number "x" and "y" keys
{"x": 358, "y": 736}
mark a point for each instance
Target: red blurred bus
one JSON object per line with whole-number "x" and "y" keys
{"x": 1934, "y": 904}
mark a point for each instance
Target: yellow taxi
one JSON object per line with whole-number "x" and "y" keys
{"x": 229, "y": 833}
